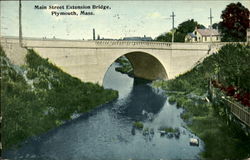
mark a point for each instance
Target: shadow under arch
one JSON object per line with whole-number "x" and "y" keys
{"x": 145, "y": 65}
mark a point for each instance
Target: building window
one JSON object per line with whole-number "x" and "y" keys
{"x": 217, "y": 38}
{"x": 205, "y": 38}
{"x": 195, "y": 32}
{"x": 195, "y": 38}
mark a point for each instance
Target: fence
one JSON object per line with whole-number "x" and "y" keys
{"x": 239, "y": 111}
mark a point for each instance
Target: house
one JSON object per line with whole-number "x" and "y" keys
{"x": 203, "y": 35}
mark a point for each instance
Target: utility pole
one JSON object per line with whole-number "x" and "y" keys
{"x": 0, "y": 21}
{"x": 93, "y": 33}
{"x": 173, "y": 15}
{"x": 20, "y": 24}
{"x": 210, "y": 24}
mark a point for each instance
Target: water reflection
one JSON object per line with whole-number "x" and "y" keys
{"x": 108, "y": 132}
{"x": 141, "y": 103}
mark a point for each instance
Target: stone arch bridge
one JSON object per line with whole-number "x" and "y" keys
{"x": 89, "y": 60}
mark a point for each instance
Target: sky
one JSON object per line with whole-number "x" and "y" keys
{"x": 122, "y": 19}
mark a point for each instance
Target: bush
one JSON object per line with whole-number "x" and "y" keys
{"x": 138, "y": 125}
{"x": 31, "y": 74}
{"x": 172, "y": 99}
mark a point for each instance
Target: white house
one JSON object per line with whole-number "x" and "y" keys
{"x": 203, "y": 35}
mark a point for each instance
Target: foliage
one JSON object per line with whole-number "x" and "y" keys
{"x": 138, "y": 125}
{"x": 125, "y": 66}
{"x": 43, "y": 98}
{"x": 165, "y": 37}
{"x": 230, "y": 66}
{"x": 171, "y": 99}
{"x": 182, "y": 30}
{"x": 235, "y": 21}
{"x": 187, "y": 26}
{"x": 179, "y": 36}
{"x": 215, "y": 25}
{"x": 233, "y": 63}
{"x": 221, "y": 141}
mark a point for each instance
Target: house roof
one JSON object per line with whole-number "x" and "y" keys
{"x": 192, "y": 35}
{"x": 137, "y": 38}
{"x": 206, "y": 32}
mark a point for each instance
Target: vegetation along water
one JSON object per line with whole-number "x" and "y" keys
{"x": 39, "y": 96}
{"x": 229, "y": 68}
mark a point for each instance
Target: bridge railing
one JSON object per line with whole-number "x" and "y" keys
{"x": 62, "y": 43}
{"x": 131, "y": 44}
{"x": 56, "y": 43}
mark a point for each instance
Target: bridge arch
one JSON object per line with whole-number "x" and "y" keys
{"x": 145, "y": 65}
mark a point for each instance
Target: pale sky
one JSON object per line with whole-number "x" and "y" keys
{"x": 125, "y": 18}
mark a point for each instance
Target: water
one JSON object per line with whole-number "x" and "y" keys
{"x": 107, "y": 132}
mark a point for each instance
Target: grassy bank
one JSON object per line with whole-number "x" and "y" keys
{"x": 39, "y": 96}
{"x": 209, "y": 121}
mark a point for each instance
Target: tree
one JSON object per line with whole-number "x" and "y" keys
{"x": 235, "y": 21}
{"x": 234, "y": 71}
{"x": 165, "y": 37}
{"x": 182, "y": 30}
{"x": 179, "y": 37}
{"x": 187, "y": 26}
{"x": 215, "y": 26}
{"x": 200, "y": 26}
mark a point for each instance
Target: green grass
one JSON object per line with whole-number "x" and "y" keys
{"x": 32, "y": 110}
{"x": 223, "y": 139}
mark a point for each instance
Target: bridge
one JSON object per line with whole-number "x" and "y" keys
{"x": 89, "y": 60}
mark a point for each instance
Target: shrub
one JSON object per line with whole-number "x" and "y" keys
{"x": 138, "y": 125}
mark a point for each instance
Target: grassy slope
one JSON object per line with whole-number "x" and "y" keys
{"x": 206, "y": 120}
{"x": 43, "y": 100}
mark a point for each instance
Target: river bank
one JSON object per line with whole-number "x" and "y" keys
{"x": 205, "y": 118}
{"x": 208, "y": 119}
{"x": 39, "y": 96}
{"x": 107, "y": 132}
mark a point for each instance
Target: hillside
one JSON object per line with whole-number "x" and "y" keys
{"x": 229, "y": 68}
{"x": 39, "y": 96}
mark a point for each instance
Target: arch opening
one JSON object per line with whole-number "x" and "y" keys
{"x": 145, "y": 66}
